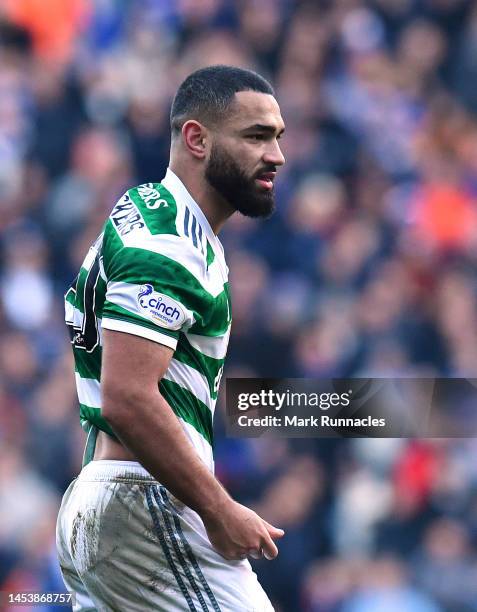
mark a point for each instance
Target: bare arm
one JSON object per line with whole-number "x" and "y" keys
{"x": 147, "y": 426}
{"x": 145, "y": 423}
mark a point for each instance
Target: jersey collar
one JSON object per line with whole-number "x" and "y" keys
{"x": 174, "y": 184}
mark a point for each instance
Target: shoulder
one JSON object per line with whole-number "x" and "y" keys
{"x": 149, "y": 206}
{"x": 146, "y": 227}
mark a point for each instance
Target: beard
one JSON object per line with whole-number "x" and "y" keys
{"x": 225, "y": 175}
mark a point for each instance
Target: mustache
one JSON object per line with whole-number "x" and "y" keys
{"x": 264, "y": 170}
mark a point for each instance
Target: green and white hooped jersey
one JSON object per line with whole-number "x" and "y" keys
{"x": 156, "y": 271}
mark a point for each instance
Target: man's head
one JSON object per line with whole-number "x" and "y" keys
{"x": 228, "y": 122}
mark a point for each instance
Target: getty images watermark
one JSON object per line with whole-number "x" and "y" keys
{"x": 370, "y": 407}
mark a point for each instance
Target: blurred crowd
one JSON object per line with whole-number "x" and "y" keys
{"x": 368, "y": 267}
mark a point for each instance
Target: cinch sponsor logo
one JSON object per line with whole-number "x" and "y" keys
{"x": 162, "y": 308}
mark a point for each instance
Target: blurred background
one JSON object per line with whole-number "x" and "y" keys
{"x": 368, "y": 267}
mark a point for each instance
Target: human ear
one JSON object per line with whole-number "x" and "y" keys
{"x": 194, "y": 137}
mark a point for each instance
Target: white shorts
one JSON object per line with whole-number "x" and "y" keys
{"x": 126, "y": 544}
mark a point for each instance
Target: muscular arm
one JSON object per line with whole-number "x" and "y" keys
{"x": 145, "y": 423}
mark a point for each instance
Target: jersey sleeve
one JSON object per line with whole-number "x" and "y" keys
{"x": 147, "y": 295}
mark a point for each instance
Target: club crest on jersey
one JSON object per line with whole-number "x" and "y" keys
{"x": 161, "y": 308}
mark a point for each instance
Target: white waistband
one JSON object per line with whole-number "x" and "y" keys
{"x": 114, "y": 470}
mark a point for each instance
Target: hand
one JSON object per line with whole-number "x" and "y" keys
{"x": 235, "y": 531}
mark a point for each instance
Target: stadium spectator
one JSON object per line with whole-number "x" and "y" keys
{"x": 368, "y": 267}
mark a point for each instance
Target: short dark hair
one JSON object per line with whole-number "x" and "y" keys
{"x": 206, "y": 94}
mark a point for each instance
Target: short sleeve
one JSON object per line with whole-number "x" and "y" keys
{"x": 147, "y": 295}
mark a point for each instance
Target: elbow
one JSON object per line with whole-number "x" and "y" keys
{"x": 113, "y": 410}
{"x": 120, "y": 406}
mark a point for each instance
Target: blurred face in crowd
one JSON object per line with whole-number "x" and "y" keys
{"x": 245, "y": 154}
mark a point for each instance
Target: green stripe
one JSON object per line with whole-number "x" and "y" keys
{"x": 112, "y": 244}
{"x": 190, "y": 409}
{"x": 210, "y": 254}
{"x": 113, "y": 311}
{"x": 79, "y": 301}
{"x": 88, "y": 365}
{"x": 160, "y": 220}
{"x": 70, "y": 296}
{"x": 100, "y": 294}
{"x": 208, "y": 366}
{"x": 215, "y": 322}
{"x": 140, "y": 266}
{"x": 93, "y": 415}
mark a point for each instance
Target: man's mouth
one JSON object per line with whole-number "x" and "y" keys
{"x": 266, "y": 179}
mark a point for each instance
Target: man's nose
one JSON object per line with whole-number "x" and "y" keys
{"x": 274, "y": 155}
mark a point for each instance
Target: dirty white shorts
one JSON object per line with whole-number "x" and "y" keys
{"x": 125, "y": 544}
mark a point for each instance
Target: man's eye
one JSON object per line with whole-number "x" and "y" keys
{"x": 256, "y": 136}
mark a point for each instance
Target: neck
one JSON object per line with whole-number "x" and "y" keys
{"x": 215, "y": 208}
